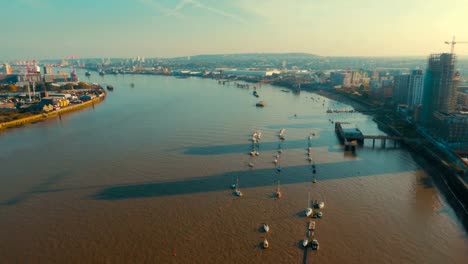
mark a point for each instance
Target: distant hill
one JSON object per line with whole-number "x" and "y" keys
{"x": 247, "y": 57}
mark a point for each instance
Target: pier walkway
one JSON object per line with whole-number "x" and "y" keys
{"x": 352, "y": 136}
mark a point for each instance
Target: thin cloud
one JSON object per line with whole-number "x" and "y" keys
{"x": 161, "y": 9}
{"x": 184, "y": 3}
{"x": 215, "y": 10}
{"x": 178, "y": 7}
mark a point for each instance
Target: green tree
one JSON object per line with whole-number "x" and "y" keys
{"x": 83, "y": 85}
{"x": 69, "y": 86}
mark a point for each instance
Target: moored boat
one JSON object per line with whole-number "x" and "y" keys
{"x": 237, "y": 192}
{"x": 314, "y": 244}
{"x": 278, "y": 191}
{"x": 312, "y": 225}
{"x": 305, "y": 242}
{"x": 266, "y": 244}
{"x": 260, "y": 104}
{"x": 308, "y": 211}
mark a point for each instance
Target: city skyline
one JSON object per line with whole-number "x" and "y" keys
{"x": 55, "y": 29}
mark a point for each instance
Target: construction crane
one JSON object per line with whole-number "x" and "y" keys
{"x": 453, "y": 42}
{"x": 74, "y": 78}
{"x": 28, "y": 76}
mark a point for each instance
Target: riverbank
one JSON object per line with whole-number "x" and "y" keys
{"x": 38, "y": 117}
{"x": 442, "y": 170}
{"x": 358, "y": 105}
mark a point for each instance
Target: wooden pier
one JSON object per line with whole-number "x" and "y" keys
{"x": 356, "y": 137}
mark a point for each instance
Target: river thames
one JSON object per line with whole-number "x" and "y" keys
{"x": 144, "y": 177}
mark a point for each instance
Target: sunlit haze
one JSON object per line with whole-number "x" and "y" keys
{"x": 170, "y": 28}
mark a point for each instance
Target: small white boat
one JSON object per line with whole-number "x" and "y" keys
{"x": 254, "y": 153}
{"x": 278, "y": 192}
{"x": 277, "y": 156}
{"x": 314, "y": 180}
{"x": 251, "y": 165}
{"x": 308, "y": 212}
{"x": 237, "y": 192}
{"x": 257, "y": 135}
{"x": 266, "y": 244}
{"x": 266, "y": 228}
{"x": 305, "y": 242}
{"x": 281, "y": 132}
{"x": 309, "y": 158}
{"x": 321, "y": 205}
{"x": 275, "y": 162}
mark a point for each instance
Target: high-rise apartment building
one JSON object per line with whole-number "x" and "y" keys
{"x": 400, "y": 89}
{"x": 7, "y": 69}
{"x": 415, "y": 88}
{"x": 439, "y": 87}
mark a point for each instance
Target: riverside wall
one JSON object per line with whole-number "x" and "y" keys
{"x": 35, "y": 118}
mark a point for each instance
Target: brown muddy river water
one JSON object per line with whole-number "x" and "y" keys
{"x": 145, "y": 176}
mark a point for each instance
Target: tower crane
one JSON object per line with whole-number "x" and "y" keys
{"x": 73, "y": 73}
{"x": 453, "y": 42}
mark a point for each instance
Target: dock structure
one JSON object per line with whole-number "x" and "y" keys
{"x": 352, "y": 136}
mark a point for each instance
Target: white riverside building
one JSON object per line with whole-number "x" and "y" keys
{"x": 250, "y": 72}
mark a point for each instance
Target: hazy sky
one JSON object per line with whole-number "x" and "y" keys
{"x": 168, "y": 28}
